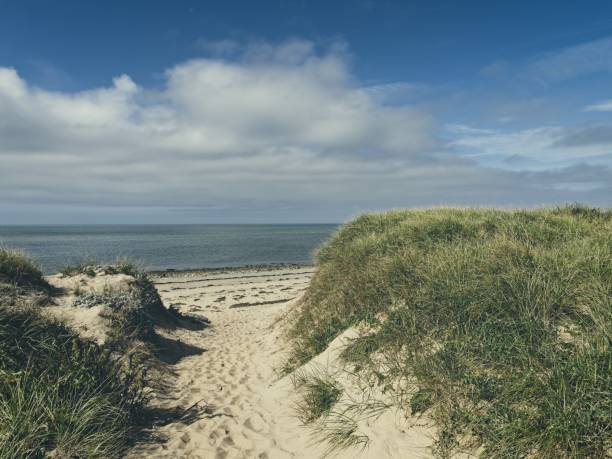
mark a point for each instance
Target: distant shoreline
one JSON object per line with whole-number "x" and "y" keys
{"x": 255, "y": 267}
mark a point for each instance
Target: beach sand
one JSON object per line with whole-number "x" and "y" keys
{"x": 242, "y": 406}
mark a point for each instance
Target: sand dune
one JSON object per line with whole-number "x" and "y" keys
{"x": 244, "y": 409}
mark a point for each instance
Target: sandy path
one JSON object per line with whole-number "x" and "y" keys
{"x": 246, "y": 411}
{"x": 232, "y": 377}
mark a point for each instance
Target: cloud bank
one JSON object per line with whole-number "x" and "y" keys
{"x": 276, "y": 133}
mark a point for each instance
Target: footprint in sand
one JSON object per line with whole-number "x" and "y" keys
{"x": 255, "y": 423}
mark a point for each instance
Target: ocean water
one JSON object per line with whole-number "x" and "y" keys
{"x": 161, "y": 247}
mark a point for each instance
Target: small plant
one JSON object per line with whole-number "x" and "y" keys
{"x": 123, "y": 265}
{"x": 421, "y": 401}
{"x": 340, "y": 430}
{"x": 319, "y": 392}
{"x": 86, "y": 266}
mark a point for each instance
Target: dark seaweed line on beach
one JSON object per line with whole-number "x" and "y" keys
{"x": 190, "y": 281}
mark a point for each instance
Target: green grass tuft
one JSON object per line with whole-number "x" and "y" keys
{"x": 124, "y": 265}
{"x": 17, "y": 269}
{"x": 319, "y": 392}
{"x": 85, "y": 266}
{"x": 91, "y": 267}
{"x": 501, "y": 319}
{"x": 61, "y": 395}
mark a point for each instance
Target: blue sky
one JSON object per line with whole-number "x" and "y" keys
{"x": 80, "y": 44}
{"x": 299, "y": 111}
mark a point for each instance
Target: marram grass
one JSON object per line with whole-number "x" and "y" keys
{"x": 495, "y": 324}
{"x": 60, "y": 396}
{"x": 17, "y": 269}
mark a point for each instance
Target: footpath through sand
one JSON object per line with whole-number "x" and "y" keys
{"x": 243, "y": 409}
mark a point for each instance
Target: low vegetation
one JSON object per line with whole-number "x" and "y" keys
{"x": 127, "y": 311}
{"x": 91, "y": 267}
{"x": 495, "y": 325}
{"x": 133, "y": 313}
{"x": 61, "y": 395}
{"x": 319, "y": 391}
{"x": 18, "y": 270}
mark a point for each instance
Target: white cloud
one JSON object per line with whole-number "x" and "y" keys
{"x": 605, "y": 106}
{"x": 280, "y": 127}
{"x": 536, "y": 149}
{"x": 462, "y": 129}
{"x": 574, "y": 61}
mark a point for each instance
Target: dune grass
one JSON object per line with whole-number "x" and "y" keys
{"x": 320, "y": 392}
{"x": 60, "y": 395}
{"x": 495, "y": 324}
{"x": 90, "y": 267}
{"x": 17, "y": 269}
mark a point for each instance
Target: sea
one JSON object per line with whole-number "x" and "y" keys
{"x": 162, "y": 247}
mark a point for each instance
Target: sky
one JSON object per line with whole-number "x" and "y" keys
{"x": 299, "y": 111}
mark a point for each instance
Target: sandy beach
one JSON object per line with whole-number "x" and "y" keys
{"x": 244, "y": 406}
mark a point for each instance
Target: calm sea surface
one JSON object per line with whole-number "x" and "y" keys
{"x": 168, "y": 246}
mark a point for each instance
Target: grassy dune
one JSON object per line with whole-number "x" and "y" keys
{"x": 495, "y": 324}
{"x": 60, "y": 395}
